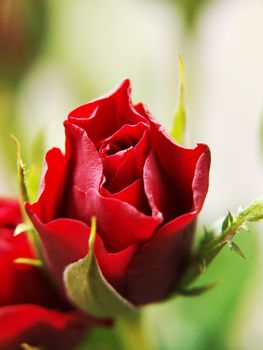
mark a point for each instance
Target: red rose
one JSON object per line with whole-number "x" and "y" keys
{"x": 144, "y": 189}
{"x": 30, "y": 309}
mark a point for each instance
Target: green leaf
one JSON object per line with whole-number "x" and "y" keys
{"x": 89, "y": 290}
{"x": 23, "y": 227}
{"x": 209, "y": 249}
{"x": 179, "y": 122}
{"x": 233, "y": 246}
{"x": 28, "y": 261}
{"x": 227, "y": 221}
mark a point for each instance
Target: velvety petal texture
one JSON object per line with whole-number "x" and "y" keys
{"x": 144, "y": 190}
{"x": 31, "y": 309}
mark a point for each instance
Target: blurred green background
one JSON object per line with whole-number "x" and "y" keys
{"x": 55, "y": 55}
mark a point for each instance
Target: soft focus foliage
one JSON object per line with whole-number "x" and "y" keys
{"x": 190, "y": 10}
{"x": 22, "y": 26}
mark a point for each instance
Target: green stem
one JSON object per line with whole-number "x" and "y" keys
{"x": 133, "y": 332}
{"x": 208, "y": 251}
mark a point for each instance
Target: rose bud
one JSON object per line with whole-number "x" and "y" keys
{"x": 144, "y": 190}
{"x": 31, "y": 311}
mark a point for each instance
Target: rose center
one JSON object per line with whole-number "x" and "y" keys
{"x": 112, "y": 148}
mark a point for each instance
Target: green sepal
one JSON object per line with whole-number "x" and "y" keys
{"x": 22, "y": 176}
{"x": 37, "y": 151}
{"x": 28, "y": 261}
{"x": 21, "y": 172}
{"x": 196, "y": 291}
{"x": 179, "y": 122}
{"x": 23, "y": 227}
{"x": 88, "y": 289}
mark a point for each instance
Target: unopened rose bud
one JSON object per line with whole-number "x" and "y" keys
{"x": 145, "y": 192}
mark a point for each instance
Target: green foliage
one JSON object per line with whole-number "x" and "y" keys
{"x": 89, "y": 290}
{"x": 24, "y": 24}
{"x": 191, "y": 10}
{"x": 179, "y": 122}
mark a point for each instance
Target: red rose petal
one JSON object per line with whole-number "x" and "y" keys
{"x": 102, "y": 117}
{"x": 27, "y": 298}
{"x": 175, "y": 168}
{"x": 133, "y": 144}
{"x": 119, "y": 223}
{"x": 133, "y": 194}
{"x": 21, "y": 283}
{"x": 66, "y": 241}
{"x": 48, "y": 204}
{"x": 10, "y": 213}
{"x": 157, "y": 265}
{"x": 39, "y": 326}
{"x": 131, "y": 168}
{"x": 84, "y": 166}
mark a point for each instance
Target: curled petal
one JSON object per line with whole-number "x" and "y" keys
{"x": 51, "y": 185}
{"x": 133, "y": 194}
{"x": 126, "y": 165}
{"x": 102, "y": 117}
